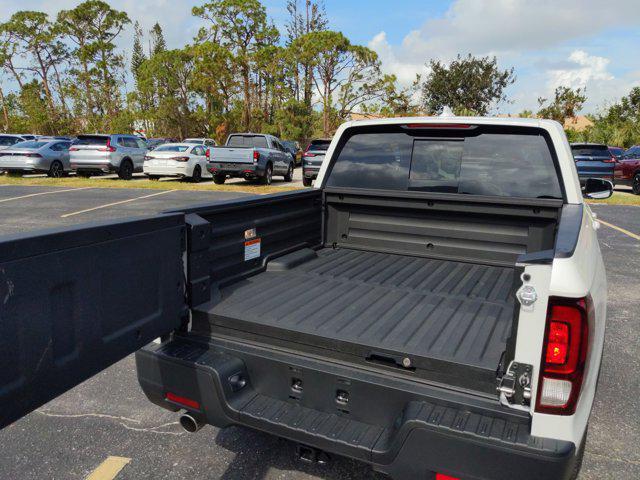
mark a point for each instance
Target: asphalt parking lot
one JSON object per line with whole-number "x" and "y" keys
{"x": 109, "y": 416}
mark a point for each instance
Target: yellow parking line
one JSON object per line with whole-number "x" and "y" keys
{"x": 114, "y": 203}
{"x": 42, "y": 193}
{"x": 621, "y": 230}
{"x": 109, "y": 469}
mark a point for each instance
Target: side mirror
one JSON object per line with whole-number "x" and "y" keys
{"x": 597, "y": 189}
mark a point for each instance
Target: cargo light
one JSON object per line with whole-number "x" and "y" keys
{"x": 453, "y": 126}
{"x": 182, "y": 401}
{"x": 563, "y": 356}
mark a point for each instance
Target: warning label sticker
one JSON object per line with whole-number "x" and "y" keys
{"x": 251, "y": 249}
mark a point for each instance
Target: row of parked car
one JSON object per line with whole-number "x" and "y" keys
{"x": 247, "y": 155}
{"x": 615, "y": 164}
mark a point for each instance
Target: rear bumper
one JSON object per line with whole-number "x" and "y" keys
{"x": 241, "y": 170}
{"x": 93, "y": 167}
{"x": 35, "y": 166}
{"x": 166, "y": 171}
{"x": 310, "y": 172}
{"x": 409, "y": 431}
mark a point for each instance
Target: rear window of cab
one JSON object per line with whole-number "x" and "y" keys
{"x": 509, "y": 162}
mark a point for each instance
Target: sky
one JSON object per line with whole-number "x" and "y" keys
{"x": 577, "y": 43}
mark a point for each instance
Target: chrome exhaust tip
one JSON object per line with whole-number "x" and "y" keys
{"x": 190, "y": 423}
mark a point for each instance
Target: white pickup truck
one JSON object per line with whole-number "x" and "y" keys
{"x": 251, "y": 156}
{"x": 435, "y": 307}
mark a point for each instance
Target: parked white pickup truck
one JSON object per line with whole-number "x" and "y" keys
{"x": 435, "y": 307}
{"x": 251, "y": 156}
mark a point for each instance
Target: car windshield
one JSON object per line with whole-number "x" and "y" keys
{"x": 91, "y": 140}
{"x": 590, "y": 150}
{"x": 172, "y": 148}
{"x": 30, "y": 144}
{"x": 476, "y": 162}
{"x": 247, "y": 141}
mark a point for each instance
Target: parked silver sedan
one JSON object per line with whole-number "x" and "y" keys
{"x": 43, "y": 155}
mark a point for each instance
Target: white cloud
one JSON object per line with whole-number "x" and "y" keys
{"x": 588, "y": 69}
{"x": 520, "y": 33}
{"x": 404, "y": 70}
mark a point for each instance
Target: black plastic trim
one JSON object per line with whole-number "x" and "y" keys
{"x": 429, "y": 433}
{"x": 569, "y": 230}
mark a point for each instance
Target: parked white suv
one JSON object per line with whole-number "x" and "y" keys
{"x": 97, "y": 154}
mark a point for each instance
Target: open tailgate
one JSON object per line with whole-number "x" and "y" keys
{"x": 73, "y": 301}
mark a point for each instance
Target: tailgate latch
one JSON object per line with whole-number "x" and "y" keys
{"x": 515, "y": 384}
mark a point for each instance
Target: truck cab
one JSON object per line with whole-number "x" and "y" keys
{"x": 414, "y": 311}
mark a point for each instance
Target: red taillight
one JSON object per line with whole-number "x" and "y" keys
{"x": 208, "y": 154}
{"x": 454, "y": 126}
{"x": 564, "y": 355}
{"x": 74, "y": 149}
{"x": 33, "y": 155}
{"x": 108, "y": 148}
{"x": 182, "y": 401}
{"x": 309, "y": 154}
{"x": 256, "y": 156}
{"x": 558, "y": 346}
{"x": 442, "y": 476}
{"x": 610, "y": 160}
{"x": 180, "y": 159}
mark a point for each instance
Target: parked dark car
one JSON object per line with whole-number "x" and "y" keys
{"x": 294, "y": 149}
{"x": 312, "y": 159}
{"x": 627, "y": 171}
{"x": 593, "y": 160}
{"x": 153, "y": 143}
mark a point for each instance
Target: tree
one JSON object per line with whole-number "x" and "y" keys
{"x": 37, "y": 39}
{"x": 312, "y": 19}
{"x": 93, "y": 27}
{"x": 169, "y": 75}
{"x": 242, "y": 27}
{"x": 469, "y": 83}
{"x": 346, "y": 76}
{"x": 565, "y": 104}
{"x": 137, "y": 56}
{"x": 156, "y": 39}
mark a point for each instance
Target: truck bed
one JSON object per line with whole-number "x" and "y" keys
{"x": 451, "y": 319}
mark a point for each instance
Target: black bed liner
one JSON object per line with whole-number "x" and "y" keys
{"x": 450, "y": 319}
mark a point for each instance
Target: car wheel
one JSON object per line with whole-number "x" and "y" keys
{"x": 196, "y": 176}
{"x": 306, "y": 181}
{"x": 268, "y": 175}
{"x": 635, "y": 184}
{"x": 289, "y": 175}
{"x": 56, "y": 170}
{"x": 125, "y": 172}
{"x": 219, "y": 179}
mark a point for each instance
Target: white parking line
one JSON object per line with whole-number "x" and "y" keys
{"x": 43, "y": 193}
{"x": 114, "y": 203}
